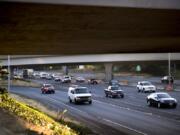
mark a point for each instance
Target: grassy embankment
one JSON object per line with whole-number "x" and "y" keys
{"x": 40, "y": 121}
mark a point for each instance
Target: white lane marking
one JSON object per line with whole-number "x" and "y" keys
{"x": 131, "y": 129}
{"x": 125, "y": 108}
{"x": 73, "y": 108}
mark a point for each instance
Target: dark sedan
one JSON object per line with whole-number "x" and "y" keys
{"x": 92, "y": 81}
{"x": 161, "y": 99}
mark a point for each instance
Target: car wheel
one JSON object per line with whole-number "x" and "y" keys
{"x": 149, "y": 103}
{"x": 174, "y": 106}
{"x": 90, "y": 102}
{"x": 159, "y": 105}
{"x": 138, "y": 89}
{"x": 106, "y": 95}
{"x": 70, "y": 101}
{"x": 75, "y": 101}
{"x": 143, "y": 90}
{"x": 122, "y": 96}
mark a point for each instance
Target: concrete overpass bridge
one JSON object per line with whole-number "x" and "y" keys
{"x": 106, "y": 59}
{"x": 89, "y": 26}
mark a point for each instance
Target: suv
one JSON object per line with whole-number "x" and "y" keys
{"x": 114, "y": 91}
{"x": 113, "y": 82}
{"x": 79, "y": 94}
{"x": 145, "y": 86}
{"x": 47, "y": 88}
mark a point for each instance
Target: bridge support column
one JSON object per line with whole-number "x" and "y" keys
{"x": 65, "y": 70}
{"x": 108, "y": 71}
{"x": 11, "y": 72}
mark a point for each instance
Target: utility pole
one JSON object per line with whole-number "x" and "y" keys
{"x": 9, "y": 75}
{"x": 169, "y": 66}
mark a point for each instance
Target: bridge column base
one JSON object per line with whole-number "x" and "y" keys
{"x": 108, "y": 71}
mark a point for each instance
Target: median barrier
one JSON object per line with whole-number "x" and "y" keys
{"x": 124, "y": 82}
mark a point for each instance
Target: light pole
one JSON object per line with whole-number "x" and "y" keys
{"x": 9, "y": 71}
{"x": 169, "y": 67}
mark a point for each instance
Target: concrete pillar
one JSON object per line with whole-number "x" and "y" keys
{"x": 65, "y": 70}
{"x": 108, "y": 71}
{"x": 11, "y": 72}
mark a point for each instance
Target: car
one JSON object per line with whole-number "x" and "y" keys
{"x": 47, "y": 88}
{"x": 113, "y": 82}
{"x": 17, "y": 77}
{"x": 114, "y": 91}
{"x": 92, "y": 81}
{"x": 78, "y": 94}
{"x": 80, "y": 79}
{"x": 57, "y": 79}
{"x": 145, "y": 86}
{"x": 161, "y": 99}
{"x": 166, "y": 79}
{"x": 48, "y": 77}
{"x": 66, "y": 79}
{"x": 43, "y": 75}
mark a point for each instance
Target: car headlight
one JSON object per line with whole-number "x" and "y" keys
{"x": 77, "y": 97}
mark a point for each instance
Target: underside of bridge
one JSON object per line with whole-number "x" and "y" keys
{"x": 27, "y": 28}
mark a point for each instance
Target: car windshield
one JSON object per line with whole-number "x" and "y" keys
{"x": 114, "y": 88}
{"x": 48, "y": 85}
{"x": 81, "y": 90}
{"x": 146, "y": 83}
{"x": 163, "y": 96}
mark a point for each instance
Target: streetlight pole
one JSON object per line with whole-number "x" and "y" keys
{"x": 169, "y": 67}
{"x": 9, "y": 71}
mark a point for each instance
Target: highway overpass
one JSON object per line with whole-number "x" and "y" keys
{"x": 89, "y": 26}
{"x": 93, "y": 58}
{"x": 159, "y": 4}
{"x": 107, "y": 59}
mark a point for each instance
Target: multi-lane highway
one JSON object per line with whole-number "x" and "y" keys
{"x": 129, "y": 115}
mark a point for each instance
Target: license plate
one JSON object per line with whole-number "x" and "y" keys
{"x": 170, "y": 104}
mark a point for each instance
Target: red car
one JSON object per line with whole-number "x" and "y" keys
{"x": 47, "y": 88}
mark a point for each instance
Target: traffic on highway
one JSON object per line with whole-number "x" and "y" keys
{"x": 124, "y": 108}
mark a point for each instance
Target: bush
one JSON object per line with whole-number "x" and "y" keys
{"x": 33, "y": 116}
{"x": 3, "y": 90}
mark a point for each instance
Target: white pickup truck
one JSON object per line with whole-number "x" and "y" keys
{"x": 78, "y": 94}
{"x": 145, "y": 86}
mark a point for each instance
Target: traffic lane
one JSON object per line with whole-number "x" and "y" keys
{"x": 137, "y": 122}
{"x": 82, "y": 116}
{"x": 132, "y": 99}
{"x": 108, "y": 112}
{"x": 137, "y": 101}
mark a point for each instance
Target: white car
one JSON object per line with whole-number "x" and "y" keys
{"x": 57, "y": 78}
{"x": 66, "y": 79}
{"x": 146, "y": 86}
{"x": 80, "y": 79}
{"x": 78, "y": 94}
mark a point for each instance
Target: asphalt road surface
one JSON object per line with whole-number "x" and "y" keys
{"x": 129, "y": 115}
